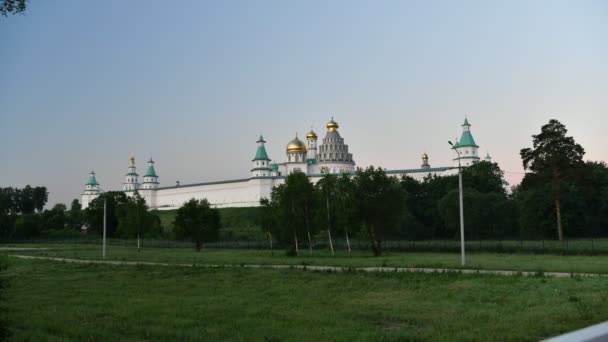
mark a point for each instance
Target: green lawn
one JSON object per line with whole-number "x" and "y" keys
{"x": 492, "y": 261}
{"x": 57, "y": 301}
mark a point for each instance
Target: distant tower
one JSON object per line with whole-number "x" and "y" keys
{"x": 333, "y": 154}
{"x": 466, "y": 146}
{"x": 91, "y": 190}
{"x": 311, "y": 140}
{"x": 131, "y": 178}
{"x": 150, "y": 178}
{"x": 425, "y": 162}
{"x": 488, "y": 158}
{"x": 261, "y": 167}
{"x": 296, "y": 156}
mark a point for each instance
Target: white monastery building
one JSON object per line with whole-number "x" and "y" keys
{"x": 332, "y": 156}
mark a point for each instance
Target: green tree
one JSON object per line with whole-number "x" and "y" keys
{"x": 379, "y": 201}
{"x": 12, "y": 7}
{"x": 197, "y": 221}
{"x": 484, "y": 177}
{"x": 134, "y": 220}
{"x": 54, "y": 219}
{"x": 94, "y": 212}
{"x": 24, "y": 200}
{"x": 299, "y": 199}
{"x": 553, "y": 157}
{"x": 327, "y": 189}
{"x": 75, "y": 214}
{"x": 277, "y": 218}
{"x": 268, "y": 221}
{"x": 28, "y": 225}
{"x": 345, "y": 208}
{"x": 39, "y": 197}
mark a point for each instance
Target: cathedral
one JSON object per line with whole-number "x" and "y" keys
{"x": 332, "y": 156}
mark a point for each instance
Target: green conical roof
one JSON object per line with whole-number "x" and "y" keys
{"x": 150, "y": 172}
{"x": 466, "y": 139}
{"x": 261, "y": 153}
{"x": 92, "y": 180}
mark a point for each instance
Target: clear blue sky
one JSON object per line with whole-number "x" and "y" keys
{"x": 83, "y": 84}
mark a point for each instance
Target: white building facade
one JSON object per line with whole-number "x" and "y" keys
{"x": 331, "y": 157}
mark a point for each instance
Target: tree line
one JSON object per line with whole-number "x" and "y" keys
{"x": 560, "y": 197}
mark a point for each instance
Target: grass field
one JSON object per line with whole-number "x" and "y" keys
{"x": 57, "y": 301}
{"x": 492, "y": 261}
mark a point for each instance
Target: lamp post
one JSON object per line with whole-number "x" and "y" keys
{"x": 103, "y": 248}
{"x": 460, "y": 195}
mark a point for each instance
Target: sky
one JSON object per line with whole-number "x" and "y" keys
{"x": 85, "y": 84}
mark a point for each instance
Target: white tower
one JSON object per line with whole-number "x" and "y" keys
{"x": 91, "y": 190}
{"x": 466, "y": 146}
{"x": 131, "y": 178}
{"x": 261, "y": 167}
{"x": 311, "y": 141}
{"x": 333, "y": 154}
{"x": 150, "y": 178}
{"x": 488, "y": 158}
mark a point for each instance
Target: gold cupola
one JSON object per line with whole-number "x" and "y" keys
{"x": 311, "y": 135}
{"x": 296, "y": 145}
{"x": 425, "y": 157}
{"x": 332, "y": 126}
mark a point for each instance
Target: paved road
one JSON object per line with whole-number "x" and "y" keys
{"x": 324, "y": 268}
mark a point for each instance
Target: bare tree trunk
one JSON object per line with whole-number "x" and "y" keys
{"x": 378, "y": 236}
{"x": 309, "y": 242}
{"x": 560, "y": 232}
{"x": 138, "y": 242}
{"x": 331, "y": 245}
{"x": 198, "y": 245}
{"x": 348, "y": 243}
{"x": 295, "y": 231}
{"x": 270, "y": 239}
{"x": 372, "y": 239}
{"x": 308, "y": 230}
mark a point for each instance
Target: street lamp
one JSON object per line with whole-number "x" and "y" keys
{"x": 103, "y": 249}
{"x": 461, "y": 206}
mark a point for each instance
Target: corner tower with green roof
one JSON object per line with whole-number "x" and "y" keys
{"x": 150, "y": 178}
{"x": 91, "y": 190}
{"x": 261, "y": 167}
{"x": 467, "y": 149}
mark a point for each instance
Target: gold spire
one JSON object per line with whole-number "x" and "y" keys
{"x": 332, "y": 126}
{"x": 311, "y": 135}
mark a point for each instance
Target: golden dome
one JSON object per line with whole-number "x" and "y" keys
{"x": 332, "y": 125}
{"x": 296, "y": 145}
{"x": 425, "y": 156}
{"x": 311, "y": 135}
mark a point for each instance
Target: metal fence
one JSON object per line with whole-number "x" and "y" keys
{"x": 572, "y": 246}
